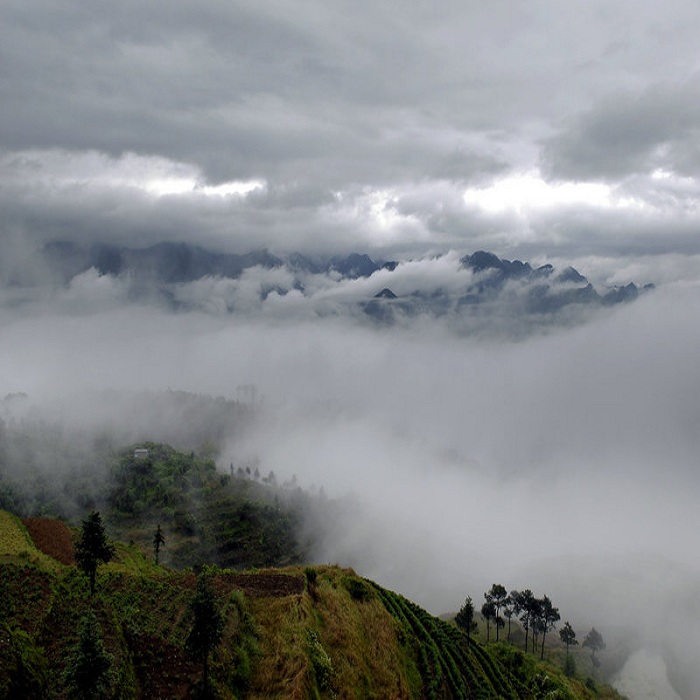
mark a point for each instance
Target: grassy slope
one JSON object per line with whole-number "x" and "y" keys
{"x": 291, "y": 633}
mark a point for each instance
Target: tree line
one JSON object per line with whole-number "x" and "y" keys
{"x": 537, "y": 616}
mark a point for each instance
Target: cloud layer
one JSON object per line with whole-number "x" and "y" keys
{"x": 389, "y": 129}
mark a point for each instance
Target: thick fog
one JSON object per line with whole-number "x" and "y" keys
{"x": 565, "y": 462}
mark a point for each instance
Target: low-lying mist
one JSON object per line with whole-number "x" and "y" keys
{"x": 565, "y": 463}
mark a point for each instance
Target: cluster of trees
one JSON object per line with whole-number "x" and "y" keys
{"x": 89, "y": 670}
{"x": 538, "y": 616}
{"x": 251, "y": 470}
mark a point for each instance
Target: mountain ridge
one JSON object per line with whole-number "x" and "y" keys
{"x": 183, "y": 276}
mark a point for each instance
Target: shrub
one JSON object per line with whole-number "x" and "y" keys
{"x": 311, "y": 575}
{"x": 357, "y": 588}
{"x": 320, "y": 661}
{"x": 25, "y": 672}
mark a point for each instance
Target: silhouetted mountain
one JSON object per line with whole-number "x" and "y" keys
{"x": 500, "y": 289}
{"x": 355, "y": 265}
{"x": 571, "y": 274}
{"x": 301, "y": 263}
{"x": 170, "y": 263}
{"x": 542, "y": 299}
{"x": 174, "y": 263}
{"x": 66, "y": 260}
{"x": 482, "y": 260}
{"x": 493, "y": 287}
{"x": 180, "y": 262}
{"x": 619, "y": 294}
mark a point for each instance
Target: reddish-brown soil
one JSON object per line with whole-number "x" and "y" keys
{"x": 260, "y": 585}
{"x": 268, "y": 585}
{"x": 52, "y": 537}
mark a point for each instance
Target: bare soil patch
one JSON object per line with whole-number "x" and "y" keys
{"x": 269, "y": 585}
{"x": 52, "y": 537}
{"x": 259, "y": 585}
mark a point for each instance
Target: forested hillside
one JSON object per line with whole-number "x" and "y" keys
{"x": 239, "y": 518}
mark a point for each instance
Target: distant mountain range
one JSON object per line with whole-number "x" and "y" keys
{"x": 176, "y": 263}
{"x": 477, "y": 287}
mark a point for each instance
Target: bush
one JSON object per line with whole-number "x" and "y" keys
{"x": 320, "y": 661}
{"x": 25, "y": 669}
{"x": 311, "y": 575}
{"x": 357, "y": 589}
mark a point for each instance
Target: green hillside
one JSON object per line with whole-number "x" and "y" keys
{"x": 290, "y": 632}
{"x": 230, "y": 519}
{"x": 207, "y": 517}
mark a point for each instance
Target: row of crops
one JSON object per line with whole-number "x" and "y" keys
{"x": 450, "y": 667}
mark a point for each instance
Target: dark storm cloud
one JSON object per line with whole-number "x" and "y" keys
{"x": 242, "y": 91}
{"x": 332, "y": 108}
{"x": 630, "y": 133}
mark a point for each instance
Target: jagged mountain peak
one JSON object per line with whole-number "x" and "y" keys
{"x": 498, "y": 288}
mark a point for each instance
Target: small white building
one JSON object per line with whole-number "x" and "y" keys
{"x": 140, "y": 453}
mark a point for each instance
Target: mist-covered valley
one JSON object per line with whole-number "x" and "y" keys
{"x": 564, "y": 461}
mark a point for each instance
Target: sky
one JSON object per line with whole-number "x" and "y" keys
{"x": 564, "y": 133}
{"x": 532, "y": 129}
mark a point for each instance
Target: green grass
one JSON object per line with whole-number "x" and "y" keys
{"x": 16, "y": 544}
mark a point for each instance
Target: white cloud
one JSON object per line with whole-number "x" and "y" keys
{"x": 529, "y": 191}
{"x": 62, "y": 170}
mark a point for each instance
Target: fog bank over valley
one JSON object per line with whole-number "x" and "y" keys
{"x": 564, "y": 462}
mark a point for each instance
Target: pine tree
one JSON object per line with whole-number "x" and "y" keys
{"x": 549, "y": 616}
{"x": 465, "y": 618}
{"x": 524, "y": 603}
{"x": 594, "y": 642}
{"x": 88, "y": 673}
{"x": 488, "y": 612}
{"x": 158, "y": 541}
{"x": 509, "y": 610}
{"x": 568, "y": 636}
{"x": 92, "y": 547}
{"x": 498, "y": 596}
{"x": 207, "y": 625}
